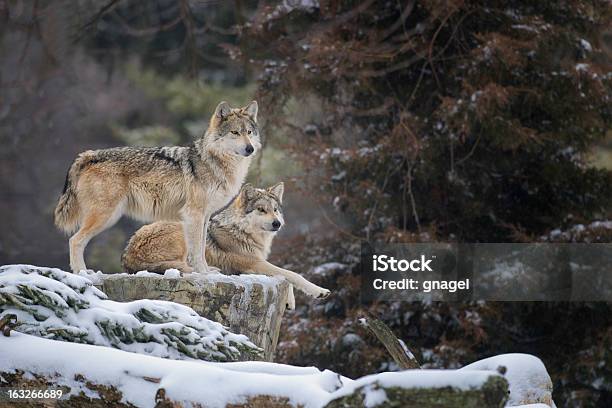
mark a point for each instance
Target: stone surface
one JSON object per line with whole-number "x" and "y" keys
{"x": 252, "y": 305}
{"x": 493, "y": 393}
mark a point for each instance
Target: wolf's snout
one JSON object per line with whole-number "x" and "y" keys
{"x": 249, "y": 149}
{"x": 276, "y": 225}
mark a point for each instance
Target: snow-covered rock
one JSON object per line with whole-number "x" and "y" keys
{"x": 252, "y": 305}
{"x": 110, "y": 376}
{"x": 526, "y": 374}
{"x": 137, "y": 379}
{"x": 54, "y": 304}
{"x": 103, "y": 375}
{"x": 423, "y": 388}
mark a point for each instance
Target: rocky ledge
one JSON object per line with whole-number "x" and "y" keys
{"x": 252, "y": 305}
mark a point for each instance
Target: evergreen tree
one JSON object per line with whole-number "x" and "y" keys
{"x": 448, "y": 121}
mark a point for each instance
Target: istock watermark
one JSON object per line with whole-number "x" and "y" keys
{"x": 384, "y": 263}
{"x": 493, "y": 272}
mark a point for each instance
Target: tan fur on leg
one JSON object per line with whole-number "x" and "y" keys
{"x": 94, "y": 223}
{"x": 295, "y": 279}
{"x": 193, "y": 224}
{"x": 290, "y": 298}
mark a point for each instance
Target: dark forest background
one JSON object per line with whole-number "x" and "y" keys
{"x": 390, "y": 121}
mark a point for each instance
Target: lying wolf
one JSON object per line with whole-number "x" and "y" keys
{"x": 239, "y": 241}
{"x": 185, "y": 184}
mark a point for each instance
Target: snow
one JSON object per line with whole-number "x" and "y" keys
{"x": 526, "y": 28}
{"x": 374, "y": 396}
{"x": 526, "y": 374}
{"x": 306, "y": 5}
{"x": 80, "y": 312}
{"x": 461, "y": 380}
{"x": 586, "y": 45}
{"x": 323, "y": 269}
{"x": 146, "y": 273}
{"x": 269, "y": 284}
{"x": 582, "y": 67}
{"x": 367, "y": 151}
{"x": 406, "y": 350}
{"x": 352, "y": 340}
{"x": 506, "y": 271}
{"x": 601, "y": 224}
{"x": 218, "y": 384}
{"x": 574, "y": 233}
{"x": 172, "y": 273}
{"x": 288, "y": 6}
{"x": 531, "y": 406}
{"x": 186, "y": 380}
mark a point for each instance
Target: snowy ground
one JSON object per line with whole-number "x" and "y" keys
{"x": 63, "y": 301}
{"x": 219, "y": 384}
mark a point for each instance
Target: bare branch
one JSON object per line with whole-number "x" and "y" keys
{"x": 396, "y": 348}
{"x": 400, "y": 21}
{"x": 110, "y": 6}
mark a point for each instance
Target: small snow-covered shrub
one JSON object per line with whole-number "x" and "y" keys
{"x": 58, "y": 305}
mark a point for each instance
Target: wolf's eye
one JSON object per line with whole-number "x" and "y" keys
{"x": 275, "y": 209}
{"x": 234, "y": 132}
{"x": 250, "y": 132}
{"x": 261, "y": 210}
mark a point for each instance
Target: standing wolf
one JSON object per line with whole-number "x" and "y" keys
{"x": 185, "y": 184}
{"x": 239, "y": 240}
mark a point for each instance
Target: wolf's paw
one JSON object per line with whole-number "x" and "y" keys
{"x": 213, "y": 269}
{"x": 205, "y": 269}
{"x": 290, "y": 304}
{"x": 290, "y": 299}
{"x": 323, "y": 293}
{"x": 318, "y": 292}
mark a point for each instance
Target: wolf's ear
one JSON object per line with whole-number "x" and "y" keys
{"x": 277, "y": 190}
{"x": 251, "y": 110}
{"x": 222, "y": 110}
{"x": 247, "y": 191}
{"x": 244, "y": 196}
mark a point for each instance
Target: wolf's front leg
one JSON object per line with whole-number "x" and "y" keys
{"x": 290, "y": 298}
{"x": 193, "y": 227}
{"x": 207, "y": 268}
{"x": 293, "y": 278}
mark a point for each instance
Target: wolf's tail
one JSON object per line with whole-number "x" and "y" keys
{"x": 67, "y": 212}
{"x": 131, "y": 265}
{"x": 128, "y": 261}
